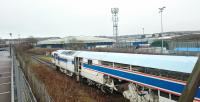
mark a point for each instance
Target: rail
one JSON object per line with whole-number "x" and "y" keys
{"x": 49, "y": 64}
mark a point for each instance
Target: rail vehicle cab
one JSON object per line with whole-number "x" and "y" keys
{"x": 55, "y": 57}
{"x": 67, "y": 62}
{"x": 64, "y": 61}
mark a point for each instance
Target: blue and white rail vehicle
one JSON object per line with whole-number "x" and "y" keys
{"x": 140, "y": 77}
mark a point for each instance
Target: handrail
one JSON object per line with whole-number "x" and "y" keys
{"x": 12, "y": 80}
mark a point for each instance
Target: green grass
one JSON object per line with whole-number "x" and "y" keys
{"x": 45, "y": 58}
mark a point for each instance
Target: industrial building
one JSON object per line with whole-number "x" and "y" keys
{"x": 185, "y": 44}
{"x": 88, "y": 42}
{"x": 79, "y": 41}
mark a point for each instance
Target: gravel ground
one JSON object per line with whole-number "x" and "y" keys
{"x": 5, "y": 79}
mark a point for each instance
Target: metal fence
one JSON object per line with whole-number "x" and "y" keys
{"x": 39, "y": 88}
{"x": 36, "y": 86}
{"x": 23, "y": 92}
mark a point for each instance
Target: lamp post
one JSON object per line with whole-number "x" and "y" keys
{"x": 10, "y": 42}
{"x": 143, "y": 31}
{"x": 142, "y": 36}
{"x": 160, "y": 11}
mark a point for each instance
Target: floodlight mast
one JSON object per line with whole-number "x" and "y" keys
{"x": 114, "y": 12}
{"x": 160, "y": 11}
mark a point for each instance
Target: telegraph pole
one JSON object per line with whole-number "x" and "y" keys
{"x": 160, "y": 11}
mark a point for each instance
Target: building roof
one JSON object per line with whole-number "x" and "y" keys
{"x": 76, "y": 39}
{"x": 86, "y": 39}
{"x": 188, "y": 37}
{"x": 165, "y": 62}
{"x": 51, "y": 41}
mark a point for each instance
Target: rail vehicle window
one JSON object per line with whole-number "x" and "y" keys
{"x": 174, "y": 97}
{"x": 124, "y": 66}
{"x": 55, "y": 56}
{"x": 174, "y": 75}
{"x": 186, "y": 76}
{"x": 153, "y": 71}
{"x": 90, "y": 62}
{"x": 58, "y": 60}
{"x": 70, "y": 52}
{"x": 163, "y": 73}
{"x": 138, "y": 68}
{"x": 164, "y": 94}
{"x": 72, "y": 62}
{"x": 155, "y": 92}
{"x": 135, "y": 68}
{"x": 106, "y": 63}
{"x": 64, "y": 52}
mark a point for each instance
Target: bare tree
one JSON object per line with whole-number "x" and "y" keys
{"x": 31, "y": 40}
{"x": 75, "y": 44}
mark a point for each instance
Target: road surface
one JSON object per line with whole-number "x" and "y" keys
{"x": 5, "y": 77}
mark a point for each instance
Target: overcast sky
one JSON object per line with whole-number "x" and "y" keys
{"x": 42, "y": 18}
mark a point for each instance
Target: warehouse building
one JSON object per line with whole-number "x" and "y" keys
{"x": 187, "y": 44}
{"x": 51, "y": 43}
{"x": 76, "y": 41}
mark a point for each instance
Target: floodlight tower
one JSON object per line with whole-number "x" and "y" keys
{"x": 114, "y": 12}
{"x": 160, "y": 11}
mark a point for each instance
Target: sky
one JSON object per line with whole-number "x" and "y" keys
{"x": 48, "y": 18}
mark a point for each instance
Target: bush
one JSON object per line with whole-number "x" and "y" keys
{"x": 158, "y": 43}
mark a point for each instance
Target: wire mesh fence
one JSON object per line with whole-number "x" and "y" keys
{"x": 27, "y": 83}
{"x": 39, "y": 88}
{"x": 23, "y": 91}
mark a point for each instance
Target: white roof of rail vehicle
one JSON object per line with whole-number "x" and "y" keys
{"x": 59, "y": 51}
{"x": 165, "y": 62}
{"x": 72, "y": 53}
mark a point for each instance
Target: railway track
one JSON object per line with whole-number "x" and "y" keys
{"x": 114, "y": 96}
{"x": 49, "y": 64}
